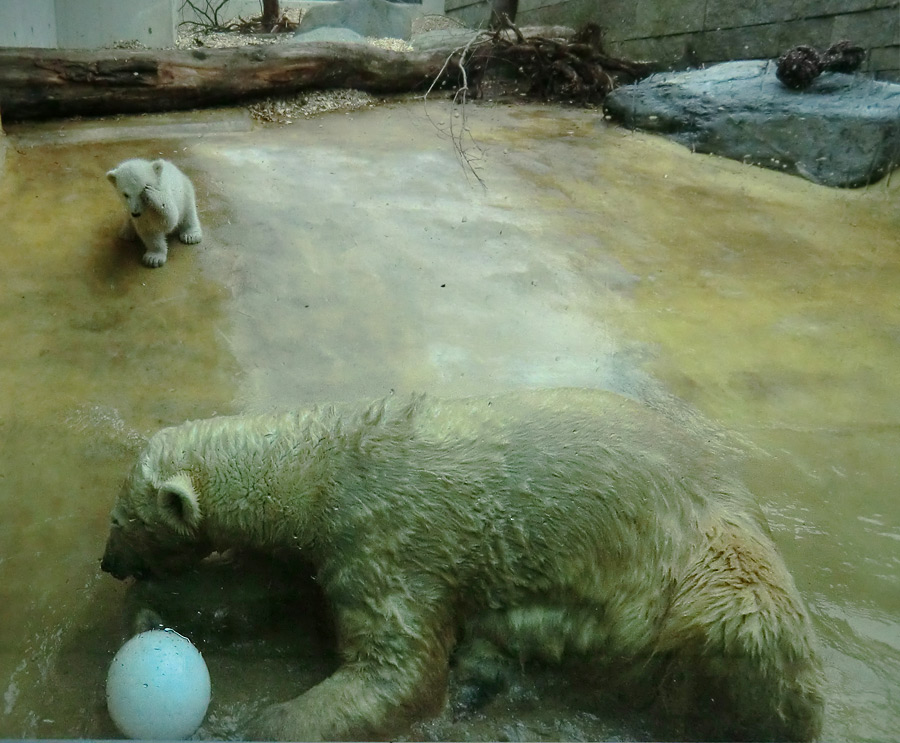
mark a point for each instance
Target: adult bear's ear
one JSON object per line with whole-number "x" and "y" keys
{"x": 178, "y": 503}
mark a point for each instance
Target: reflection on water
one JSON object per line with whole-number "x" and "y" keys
{"x": 348, "y": 256}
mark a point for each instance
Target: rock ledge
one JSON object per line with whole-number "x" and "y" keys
{"x": 843, "y": 131}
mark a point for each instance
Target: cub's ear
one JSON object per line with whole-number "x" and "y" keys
{"x": 158, "y": 167}
{"x": 178, "y": 503}
{"x": 111, "y": 176}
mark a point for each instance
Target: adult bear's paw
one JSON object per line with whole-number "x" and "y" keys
{"x": 285, "y": 721}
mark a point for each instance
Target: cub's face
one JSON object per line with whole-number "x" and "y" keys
{"x": 154, "y": 528}
{"x": 130, "y": 178}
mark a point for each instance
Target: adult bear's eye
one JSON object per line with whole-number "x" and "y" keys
{"x": 120, "y": 520}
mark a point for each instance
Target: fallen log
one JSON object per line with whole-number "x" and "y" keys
{"x": 556, "y": 63}
{"x": 49, "y": 83}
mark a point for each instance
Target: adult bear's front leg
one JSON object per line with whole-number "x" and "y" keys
{"x": 352, "y": 704}
{"x": 394, "y": 671}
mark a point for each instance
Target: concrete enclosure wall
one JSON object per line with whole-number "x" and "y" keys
{"x": 682, "y": 33}
{"x": 86, "y": 23}
{"x": 676, "y": 33}
{"x": 31, "y": 23}
{"x": 688, "y": 32}
{"x": 475, "y": 13}
{"x": 203, "y": 12}
{"x": 94, "y": 23}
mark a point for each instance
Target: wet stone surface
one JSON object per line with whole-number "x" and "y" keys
{"x": 843, "y": 130}
{"x": 350, "y": 256}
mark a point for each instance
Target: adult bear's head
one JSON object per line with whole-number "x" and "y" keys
{"x": 155, "y": 525}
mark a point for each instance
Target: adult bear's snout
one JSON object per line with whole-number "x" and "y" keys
{"x": 108, "y": 565}
{"x": 119, "y": 568}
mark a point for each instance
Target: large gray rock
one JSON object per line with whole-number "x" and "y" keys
{"x": 377, "y": 18}
{"x": 843, "y": 131}
{"x": 330, "y": 33}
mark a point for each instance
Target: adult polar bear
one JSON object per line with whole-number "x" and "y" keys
{"x": 555, "y": 523}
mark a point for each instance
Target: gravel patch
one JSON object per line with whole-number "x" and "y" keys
{"x": 304, "y": 105}
{"x": 393, "y": 45}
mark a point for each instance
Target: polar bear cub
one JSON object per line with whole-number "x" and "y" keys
{"x": 160, "y": 201}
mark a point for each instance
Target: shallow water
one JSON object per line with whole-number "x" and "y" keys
{"x": 349, "y": 256}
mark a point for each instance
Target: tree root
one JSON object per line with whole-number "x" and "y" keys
{"x": 566, "y": 70}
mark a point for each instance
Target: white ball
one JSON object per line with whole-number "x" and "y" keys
{"x": 158, "y": 687}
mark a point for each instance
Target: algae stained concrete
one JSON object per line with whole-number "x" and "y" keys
{"x": 352, "y": 256}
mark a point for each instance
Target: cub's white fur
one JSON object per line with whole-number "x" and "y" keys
{"x": 160, "y": 201}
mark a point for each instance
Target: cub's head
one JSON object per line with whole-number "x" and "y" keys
{"x": 155, "y": 525}
{"x": 130, "y": 178}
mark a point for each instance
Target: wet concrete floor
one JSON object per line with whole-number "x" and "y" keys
{"x": 353, "y": 255}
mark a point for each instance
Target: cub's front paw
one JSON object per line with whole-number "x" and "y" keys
{"x": 153, "y": 260}
{"x": 153, "y": 197}
{"x": 190, "y": 237}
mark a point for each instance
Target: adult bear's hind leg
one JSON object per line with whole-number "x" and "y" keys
{"x": 738, "y": 645}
